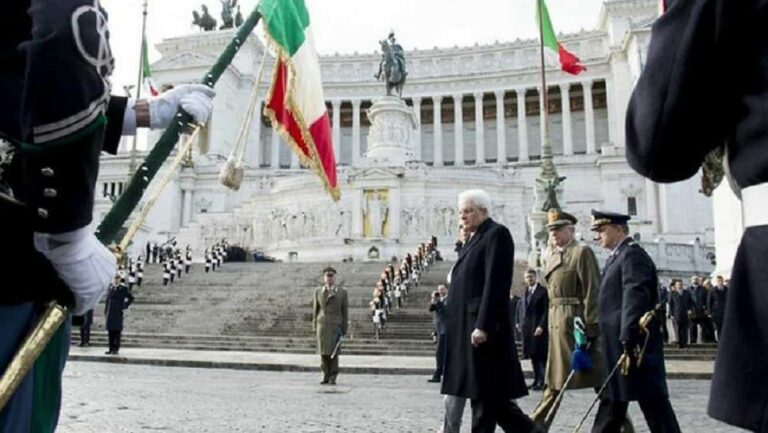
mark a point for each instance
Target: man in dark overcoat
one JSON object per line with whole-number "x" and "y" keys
{"x": 703, "y": 88}
{"x": 534, "y": 324}
{"x": 680, "y": 310}
{"x": 119, "y": 298}
{"x": 628, "y": 291}
{"x": 85, "y": 328}
{"x": 481, "y": 360}
{"x": 716, "y": 300}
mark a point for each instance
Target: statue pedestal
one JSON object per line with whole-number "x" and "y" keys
{"x": 390, "y": 137}
{"x": 537, "y": 227}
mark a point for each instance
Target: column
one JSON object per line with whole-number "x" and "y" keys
{"x": 565, "y": 98}
{"x": 437, "y": 122}
{"x": 501, "y": 129}
{"x": 542, "y": 124}
{"x": 479, "y": 132}
{"x": 253, "y": 152}
{"x": 652, "y": 205}
{"x": 294, "y": 160}
{"x": 522, "y": 127}
{"x": 336, "y": 134}
{"x": 186, "y": 212}
{"x": 458, "y": 131}
{"x": 355, "y": 130}
{"x": 275, "y": 149}
{"x": 615, "y": 128}
{"x": 589, "y": 117}
{"x": 417, "y": 138}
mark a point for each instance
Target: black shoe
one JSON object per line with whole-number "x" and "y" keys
{"x": 537, "y": 387}
{"x": 108, "y": 352}
{"x": 324, "y": 382}
{"x": 332, "y": 382}
{"x": 433, "y": 379}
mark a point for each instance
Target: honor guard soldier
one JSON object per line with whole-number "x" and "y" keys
{"x": 704, "y": 87}
{"x": 628, "y": 325}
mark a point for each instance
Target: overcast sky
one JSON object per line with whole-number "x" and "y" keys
{"x": 346, "y": 26}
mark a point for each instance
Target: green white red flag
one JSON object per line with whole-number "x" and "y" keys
{"x": 295, "y": 102}
{"x": 146, "y": 73}
{"x": 554, "y": 53}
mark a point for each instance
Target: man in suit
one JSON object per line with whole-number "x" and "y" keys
{"x": 716, "y": 304}
{"x": 119, "y": 298}
{"x": 437, "y": 308}
{"x": 52, "y": 131}
{"x": 330, "y": 318}
{"x": 628, "y": 291}
{"x": 700, "y": 314}
{"x": 680, "y": 310}
{"x": 534, "y": 327}
{"x": 703, "y": 89}
{"x": 660, "y": 310}
{"x": 85, "y": 328}
{"x": 481, "y": 361}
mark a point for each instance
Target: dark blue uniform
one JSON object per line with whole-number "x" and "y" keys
{"x": 56, "y": 117}
{"x": 118, "y": 299}
{"x": 628, "y": 290}
{"x": 704, "y": 86}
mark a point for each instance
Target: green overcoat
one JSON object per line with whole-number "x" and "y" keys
{"x": 329, "y": 315}
{"x": 573, "y": 278}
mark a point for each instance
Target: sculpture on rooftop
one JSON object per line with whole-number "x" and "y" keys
{"x": 205, "y": 21}
{"x": 227, "y": 17}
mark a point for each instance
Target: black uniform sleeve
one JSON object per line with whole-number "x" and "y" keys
{"x": 115, "y": 115}
{"x": 674, "y": 117}
{"x": 637, "y": 281}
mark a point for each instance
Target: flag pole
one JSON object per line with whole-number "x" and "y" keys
{"x": 548, "y": 170}
{"x": 139, "y": 80}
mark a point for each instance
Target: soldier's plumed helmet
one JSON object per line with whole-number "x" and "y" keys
{"x": 557, "y": 218}
{"x": 601, "y": 218}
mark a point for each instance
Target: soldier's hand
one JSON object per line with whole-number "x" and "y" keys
{"x": 479, "y": 337}
{"x": 82, "y": 262}
{"x": 195, "y": 99}
{"x": 538, "y": 332}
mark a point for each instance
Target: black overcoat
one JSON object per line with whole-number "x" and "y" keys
{"x": 705, "y": 84}
{"x": 680, "y": 303}
{"x": 629, "y": 289}
{"x": 479, "y": 298}
{"x": 118, "y": 299}
{"x": 535, "y": 314}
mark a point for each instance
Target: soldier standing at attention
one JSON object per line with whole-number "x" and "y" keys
{"x": 329, "y": 321}
{"x": 628, "y": 290}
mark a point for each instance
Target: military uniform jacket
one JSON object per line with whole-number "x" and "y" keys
{"x": 572, "y": 283}
{"x": 628, "y": 289}
{"x": 118, "y": 299}
{"x": 479, "y": 299}
{"x": 705, "y": 84}
{"x": 330, "y": 315}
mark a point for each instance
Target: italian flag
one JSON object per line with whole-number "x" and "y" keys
{"x": 554, "y": 53}
{"x": 146, "y": 73}
{"x": 295, "y": 102}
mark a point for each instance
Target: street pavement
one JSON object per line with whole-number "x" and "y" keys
{"x": 126, "y": 398}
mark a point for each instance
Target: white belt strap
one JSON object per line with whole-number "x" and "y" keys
{"x": 755, "y": 205}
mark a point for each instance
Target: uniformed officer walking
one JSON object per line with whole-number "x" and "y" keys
{"x": 119, "y": 298}
{"x": 628, "y": 290}
{"x": 330, "y": 316}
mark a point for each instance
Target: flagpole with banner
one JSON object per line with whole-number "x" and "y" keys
{"x": 143, "y": 62}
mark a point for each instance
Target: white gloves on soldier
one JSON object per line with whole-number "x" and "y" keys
{"x": 195, "y": 99}
{"x": 82, "y": 262}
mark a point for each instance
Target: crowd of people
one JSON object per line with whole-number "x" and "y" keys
{"x": 696, "y": 311}
{"x": 394, "y": 285}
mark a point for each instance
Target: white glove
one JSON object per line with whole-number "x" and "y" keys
{"x": 195, "y": 99}
{"x": 82, "y": 262}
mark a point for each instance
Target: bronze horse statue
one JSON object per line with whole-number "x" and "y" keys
{"x": 204, "y": 21}
{"x": 392, "y": 68}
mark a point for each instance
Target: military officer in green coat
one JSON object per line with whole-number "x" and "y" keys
{"x": 329, "y": 320}
{"x": 572, "y": 275}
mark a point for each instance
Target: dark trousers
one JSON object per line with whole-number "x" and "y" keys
{"x": 658, "y": 414}
{"x": 538, "y": 371}
{"x": 681, "y": 329}
{"x": 114, "y": 341}
{"x": 85, "y": 335}
{"x": 663, "y": 323}
{"x": 504, "y": 412}
{"x": 330, "y": 367}
{"x": 707, "y": 333}
{"x": 440, "y": 355}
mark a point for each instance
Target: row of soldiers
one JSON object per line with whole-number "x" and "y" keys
{"x": 393, "y": 286}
